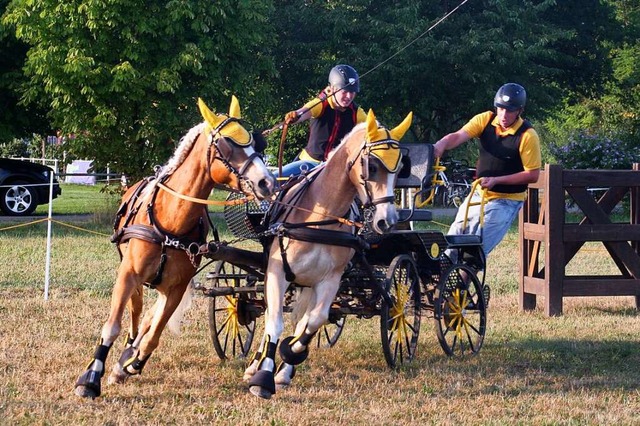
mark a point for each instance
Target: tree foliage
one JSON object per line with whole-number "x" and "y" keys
{"x": 123, "y": 76}
{"x": 17, "y": 121}
{"x": 451, "y": 72}
{"x": 611, "y": 113}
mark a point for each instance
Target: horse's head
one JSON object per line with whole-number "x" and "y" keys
{"x": 374, "y": 171}
{"x": 237, "y": 152}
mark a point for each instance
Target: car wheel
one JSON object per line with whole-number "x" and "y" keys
{"x": 16, "y": 199}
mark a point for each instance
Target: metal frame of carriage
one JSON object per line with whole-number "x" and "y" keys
{"x": 401, "y": 277}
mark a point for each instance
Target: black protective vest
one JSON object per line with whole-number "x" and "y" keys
{"x": 500, "y": 156}
{"x": 326, "y": 131}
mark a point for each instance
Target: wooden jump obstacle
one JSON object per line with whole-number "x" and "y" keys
{"x": 543, "y": 225}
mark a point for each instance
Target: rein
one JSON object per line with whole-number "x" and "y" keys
{"x": 209, "y": 202}
{"x": 337, "y": 219}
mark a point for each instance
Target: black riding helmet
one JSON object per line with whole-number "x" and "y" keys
{"x": 511, "y": 97}
{"x": 344, "y": 77}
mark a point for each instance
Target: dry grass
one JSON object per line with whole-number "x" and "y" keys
{"x": 580, "y": 368}
{"x": 577, "y": 369}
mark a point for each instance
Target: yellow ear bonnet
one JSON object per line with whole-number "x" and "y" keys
{"x": 387, "y": 151}
{"x": 398, "y": 132}
{"x": 232, "y": 129}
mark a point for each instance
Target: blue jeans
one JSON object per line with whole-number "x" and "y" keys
{"x": 499, "y": 214}
{"x": 297, "y": 167}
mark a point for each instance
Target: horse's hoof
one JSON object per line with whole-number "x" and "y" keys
{"x": 118, "y": 376}
{"x": 86, "y": 392}
{"x": 285, "y": 375}
{"x": 262, "y": 384}
{"x": 250, "y": 371}
{"x": 88, "y": 385}
{"x": 260, "y": 392}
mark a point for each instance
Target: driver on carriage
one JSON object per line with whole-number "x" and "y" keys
{"x": 332, "y": 114}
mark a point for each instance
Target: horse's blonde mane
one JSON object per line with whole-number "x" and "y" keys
{"x": 186, "y": 143}
{"x": 357, "y": 128}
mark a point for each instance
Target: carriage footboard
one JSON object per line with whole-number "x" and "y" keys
{"x": 217, "y": 251}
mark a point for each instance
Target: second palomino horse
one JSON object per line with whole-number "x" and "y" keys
{"x": 160, "y": 231}
{"x": 365, "y": 165}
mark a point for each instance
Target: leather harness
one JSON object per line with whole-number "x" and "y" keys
{"x": 154, "y": 233}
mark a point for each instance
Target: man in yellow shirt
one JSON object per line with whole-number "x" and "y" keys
{"x": 509, "y": 160}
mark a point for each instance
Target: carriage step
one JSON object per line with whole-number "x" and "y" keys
{"x": 463, "y": 240}
{"x": 230, "y": 291}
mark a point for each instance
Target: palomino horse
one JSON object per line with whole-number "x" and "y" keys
{"x": 364, "y": 165}
{"x": 160, "y": 232}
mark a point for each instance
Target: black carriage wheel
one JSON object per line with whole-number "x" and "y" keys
{"x": 400, "y": 320}
{"x": 232, "y": 322}
{"x": 457, "y": 192}
{"x": 329, "y": 333}
{"x": 460, "y": 311}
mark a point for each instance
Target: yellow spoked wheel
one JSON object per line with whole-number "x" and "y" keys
{"x": 400, "y": 319}
{"x": 232, "y": 318}
{"x": 460, "y": 311}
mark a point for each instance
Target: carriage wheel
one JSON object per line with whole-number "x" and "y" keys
{"x": 400, "y": 320}
{"x": 460, "y": 311}
{"x": 329, "y": 333}
{"x": 232, "y": 319}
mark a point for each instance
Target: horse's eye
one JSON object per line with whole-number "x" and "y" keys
{"x": 372, "y": 169}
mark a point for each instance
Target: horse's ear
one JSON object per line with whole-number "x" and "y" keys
{"x": 372, "y": 126}
{"x": 398, "y": 132}
{"x": 208, "y": 115}
{"x": 234, "y": 109}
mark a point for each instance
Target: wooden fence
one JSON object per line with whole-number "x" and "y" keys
{"x": 544, "y": 225}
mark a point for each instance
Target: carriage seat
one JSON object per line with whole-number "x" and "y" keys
{"x": 420, "y": 163}
{"x": 418, "y": 215}
{"x": 463, "y": 240}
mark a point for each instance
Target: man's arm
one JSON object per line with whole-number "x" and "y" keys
{"x": 521, "y": 178}
{"x": 450, "y": 141}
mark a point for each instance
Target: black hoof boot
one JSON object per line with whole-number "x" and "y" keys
{"x": 88, "y": 385}
{"x": 128, "y": 353}
{"x": 289, "y": 356}
{"x": 262, "y": 384}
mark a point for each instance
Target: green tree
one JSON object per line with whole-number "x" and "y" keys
{"x": 452, "y": 72}
{"x": 123, "y": 76}
{"x": 16, "y": 121}
{"x": 611, "y": 112}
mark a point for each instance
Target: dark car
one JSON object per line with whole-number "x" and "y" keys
{"x": 24, "y": 186}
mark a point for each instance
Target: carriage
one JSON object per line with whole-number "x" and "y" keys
{"x": 401, "y": 276}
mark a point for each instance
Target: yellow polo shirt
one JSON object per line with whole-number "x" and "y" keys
{"x": 529, "y": 146}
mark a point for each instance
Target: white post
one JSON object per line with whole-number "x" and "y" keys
{"x": 48, "y": 256}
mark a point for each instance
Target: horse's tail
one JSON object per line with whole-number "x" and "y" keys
{"x": 185, "y": 303}
{"x": 300, "y": 304}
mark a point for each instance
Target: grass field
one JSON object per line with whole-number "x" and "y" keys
{"x": 580, "y": 368}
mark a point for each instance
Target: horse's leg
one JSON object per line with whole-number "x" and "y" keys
{"x": 135, "y": 309}
{"x": 169, "y": 297}
{"x": 295, "y": 349}
{"x": 252, "y": 368}
{"x": 118, "y": 375}
{"x": 304, "y": 302}
{"x": 88, "y": 384}
{"x": 262, "y": 383}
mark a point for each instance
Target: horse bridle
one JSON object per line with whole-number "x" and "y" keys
{"x": 364, "y": 153}
{"x": 215, "y": 138}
